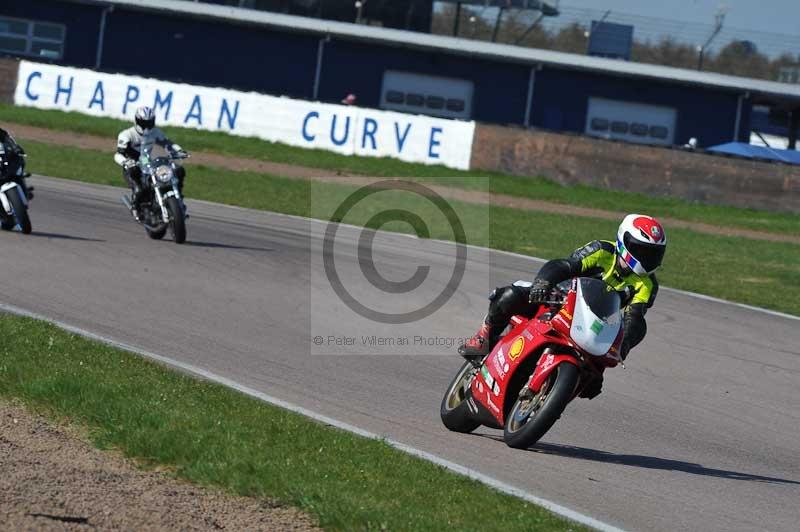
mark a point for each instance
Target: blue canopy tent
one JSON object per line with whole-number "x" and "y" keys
{"x": 757, "y": 152}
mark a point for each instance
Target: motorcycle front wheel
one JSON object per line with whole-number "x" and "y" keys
{"x": 20, "y": 212}
{"x": 454, "y": 410}
{"x": 531, "y": 417}
{"x": 157, "y": 234}
{"x": 178, "y": 222}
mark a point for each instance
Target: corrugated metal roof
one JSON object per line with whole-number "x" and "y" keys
{"x": 441, "y": 43}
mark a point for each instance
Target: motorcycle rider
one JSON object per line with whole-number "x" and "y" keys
{"x": 12, "y": 162}
{"x": 626, "y": 266}
{"x": 131, "y": 141}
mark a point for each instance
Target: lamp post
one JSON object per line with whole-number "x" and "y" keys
{"x": 719, "y": 19}
{"x": 359, "y": 10}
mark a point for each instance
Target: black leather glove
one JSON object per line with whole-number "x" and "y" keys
{"x": 540, "y": 291}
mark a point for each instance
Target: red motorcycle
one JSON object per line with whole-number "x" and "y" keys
{"x": 539, "y": 366}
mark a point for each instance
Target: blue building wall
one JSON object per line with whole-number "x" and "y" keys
{"x": 500, "y": 89}
{"x": 82, "y": 22}
{"x": 254, "y": 58}
{"x": 205, "y": 52}
{"x": 561, "y": 98}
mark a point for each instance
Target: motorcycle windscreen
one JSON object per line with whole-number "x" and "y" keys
{"x": 597, "y": 318}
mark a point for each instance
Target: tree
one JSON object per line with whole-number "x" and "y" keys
{"x": 740, "y": 58}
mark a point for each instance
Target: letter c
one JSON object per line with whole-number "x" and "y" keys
{"x": 306, "y": 134}
{"x": 32, "y": 97}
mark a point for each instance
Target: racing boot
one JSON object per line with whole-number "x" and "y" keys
{"x": 136, "y": 199}
{"x": 479, "y": 345}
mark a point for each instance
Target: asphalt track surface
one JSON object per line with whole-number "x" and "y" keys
{"x": 700, "y": 432}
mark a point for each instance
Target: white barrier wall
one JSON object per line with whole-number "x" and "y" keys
{"x": 343, "y": 129}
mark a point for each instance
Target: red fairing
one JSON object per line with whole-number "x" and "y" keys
{"x": 545, "y": 366}
{"x": 490, "y": 386}
{"x": 562, "y": 321}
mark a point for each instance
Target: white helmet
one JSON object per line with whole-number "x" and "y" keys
{"x": 641, "y": 243}
{"x": 145, "y": 120}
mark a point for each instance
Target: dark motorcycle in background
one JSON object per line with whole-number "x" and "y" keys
{"x": 14, "y": 196}
{"x": 162, "y": 205}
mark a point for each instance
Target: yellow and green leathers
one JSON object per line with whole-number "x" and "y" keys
{"x": 599, "y": 259}
{"x": 596, "y": 259}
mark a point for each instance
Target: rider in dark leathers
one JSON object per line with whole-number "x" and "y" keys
{"x": 12, "y": 161}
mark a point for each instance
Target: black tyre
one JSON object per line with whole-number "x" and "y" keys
{"x": 178, "y": 222}
{"x": 531, "y": 418}
{"x": 20, "y": 212}
{"x": 454, "y": 410}
{"x": 157, "y": 234}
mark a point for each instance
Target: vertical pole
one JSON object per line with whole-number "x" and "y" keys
{"x": 794, "y": 126}
{"x": 738, "y": 122}
{"x": 497, "y": 24}
{"x": 529, "y": 101}
{"x": 457, "y": 21}
{"x": 101, "y": 36}
{"x": 318, "y": 73}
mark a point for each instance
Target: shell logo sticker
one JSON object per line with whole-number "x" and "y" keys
{"x": 516, "y": 348}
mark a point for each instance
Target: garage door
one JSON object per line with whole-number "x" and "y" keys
{"x": 633, "y": 122}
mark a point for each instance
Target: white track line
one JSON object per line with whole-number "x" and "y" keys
{"x": 321, "y": 418}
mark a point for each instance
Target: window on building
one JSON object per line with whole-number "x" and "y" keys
{"x": 434, "y": 102}
{"x": 659, "y": 132}
{"x": 599, "y": 124}
{"x": 617, "y": 126}
{"x": 417, "y": 100}
{"x": 395, "y": 97}
{"x": 31, "y": 38}
{"x": 456, "y": 105}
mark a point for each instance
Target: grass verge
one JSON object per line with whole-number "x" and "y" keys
{"x": 529, "y": 187}
{"x": 212, "y": 435}
{"x": 756, "y": 272}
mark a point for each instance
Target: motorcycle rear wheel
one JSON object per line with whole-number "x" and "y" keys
{"x": 454, "y": 411}
{"x": 178, "y": 222}
{"x": 530, "y": 419}
{"x": 20, "y": 212}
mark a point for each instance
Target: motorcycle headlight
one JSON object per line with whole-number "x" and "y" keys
{"x": 164, "y": 174}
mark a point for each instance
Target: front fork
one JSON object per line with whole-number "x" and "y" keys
{"x": 12, "y": 187}
{"x": 162, "y": 201}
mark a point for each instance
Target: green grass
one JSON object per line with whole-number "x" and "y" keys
{"x": 756, "y": 272}
{"x": 212, "y": 435}
{"x": 528, "y": 187}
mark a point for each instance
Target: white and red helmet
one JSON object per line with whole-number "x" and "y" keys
{"x": 641, "y": 243}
